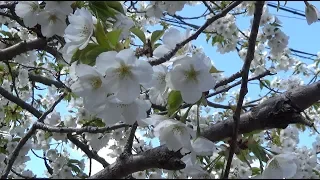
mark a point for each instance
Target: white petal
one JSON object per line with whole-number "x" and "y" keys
{"x": 128, "y": 90}
{"x": 191, "y": 96}
{"x": 203, "y": 146}
{"x": 106, "y": 60}
{"x": 160, "y": 51}
{"x": 206, "y": 81}
{"x": 171, "y": 38}
{"x": 143, "y": 72}
{"x": 127, "y": 55}
{"x": 130, "y": 113}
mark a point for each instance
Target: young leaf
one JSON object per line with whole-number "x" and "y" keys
{"x": 215, "y": 70}
{"x": 113, "y": 37}
{"x": 91, "y": 55}
{"x": 258, "y": 151}
{"x": 115, "y": 5}
{"x": 174, "y": 101}
{"x": 101, "y": 36}
{"x": 156, "y": 35}
{"x": 140, "y": 34}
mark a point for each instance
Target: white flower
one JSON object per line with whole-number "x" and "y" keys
{"x": 159, "y": 92}
{"x": 53, "y": 118}
{"x": 170, "y": 39}
{"x": 154, "y": 10}
{"x": 124, "y": 73}
{"x": 312, "y": 14}
{"x": 89, "y": 85}
{"x": 202, "y": 146}
{"x": 52, "y": 22}
{"x": 192, "y": 168}
{"x": 280, "y": 166}
{"x": 115, "y": 111}
{"x": 28, "y": 10}
{"x": 124, "y": 23}
{"x": 63, "y": 7}
{"x": 191, "y": 76}
{"x": 174, "y": 134}
{"x": 23, "y": 78}
{"x": 80, "y": 29}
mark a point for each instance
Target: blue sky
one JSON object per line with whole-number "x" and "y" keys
{"x": 302, "y": 37}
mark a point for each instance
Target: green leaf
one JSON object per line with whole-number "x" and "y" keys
{"x": 208, "y": 37}
{"x": 75, "y": 56}
{"x": 217, "y": 39}
{"x": 90, "y": 56}
{"x": 258, "y": 151}
{"x": 113, "y": 37}
{"x": 184, "y": 117}
{"x": 101, "y": 10}
{"x": 255, "y": 170}
{"x": 74, "y": 161}
{"x": 261, "y": 85}
{"x": 139, "y": 33}
{"x": 156, "y": 45}
{"x": 215, "y": 70}
{"x": 101, "y": 36}
{"x": 174, "y": 102}
{"x": 267, "y": 82}
{"x": 115, "y": 5}
{"x": 75, "y": 168}
{"x": 156, "y": 35}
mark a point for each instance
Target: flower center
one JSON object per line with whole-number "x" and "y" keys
{"x": 177, "y": 129}
{"x": 124, "y": 70}
{"x": 96, "y": 82}
{"x": 85, "y": 30}
{"x": 192, "y": 74}
{"x": 162, "y": 78}
{"x": 53, "y": 18}
{"x": 34, "y": 7}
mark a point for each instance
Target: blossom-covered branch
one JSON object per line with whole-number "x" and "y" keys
{"x": 194, "y": 36}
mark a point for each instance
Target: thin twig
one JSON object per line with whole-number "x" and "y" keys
{"x": 194, "y": 36}
{"x": 244, "y": 83}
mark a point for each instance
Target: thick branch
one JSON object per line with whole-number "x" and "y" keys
{"x": 88, "y": 129}
{"x": 159, "y": 157}
{"x": 22, "y": 47}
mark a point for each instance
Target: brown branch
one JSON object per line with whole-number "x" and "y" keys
{"x": 28, "y": 135}
{"x": 19, "y": 102}
{"x": 159, "y": 157}
{"x": 22, "y": 47}
{"x": 128, "y": 147}
{"x": 88, "y": 129}
{"x": 238, "y": 83}
{"x": 244, "y": 82}
{"x": 194, "y": 36}
{"x": 228, "y": 80}
{"x": 85, "y": 149}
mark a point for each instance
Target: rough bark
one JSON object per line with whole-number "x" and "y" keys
{"x": 276, "y": 112}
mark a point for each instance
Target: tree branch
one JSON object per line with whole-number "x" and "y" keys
{"x": 22, "y": 47}
{"x": 89, "y": 129}
{"x": 85, "y": 149}
{"x": 194, "y": 36}
{"x": 28, "y": 135}
{"x": 159, "y": 157}
{"x": 244, "y": 82}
